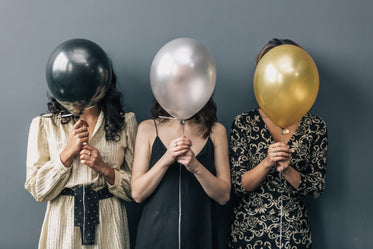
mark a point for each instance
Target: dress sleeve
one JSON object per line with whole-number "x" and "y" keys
{"x": 312, "y": 181}
{"x": 238, "y": 153}
{"x": 122, "y": 184}
{"x": 45, "y": 176}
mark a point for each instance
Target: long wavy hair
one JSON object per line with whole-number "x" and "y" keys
{"x": 111, "y": 106}
{"x": 206, "y": 116}
{"x": 271, "y": 44}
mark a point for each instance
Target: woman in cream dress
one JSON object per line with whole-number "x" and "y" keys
{"x": 97, "y": 153}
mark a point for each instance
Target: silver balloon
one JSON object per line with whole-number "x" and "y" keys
{"x": 78, "y": 74}
{"x": 182, "y": 77}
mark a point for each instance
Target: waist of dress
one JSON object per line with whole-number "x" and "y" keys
{"x": 86, "y": 210}
{"x": 102, "y": 193}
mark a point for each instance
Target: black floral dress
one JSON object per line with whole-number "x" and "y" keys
{"x": 256, "y": 215}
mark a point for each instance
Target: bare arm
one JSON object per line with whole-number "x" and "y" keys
{"x": 144, "y": 180}
{"x": 216, "y": 187}
{"x": 292, "y": 176}
{"x": 252, "y": 178}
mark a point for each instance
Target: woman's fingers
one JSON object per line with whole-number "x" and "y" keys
{"x": 180, "y": 144}
{"x": 276, "y": 157}
{"x": 83, "y": 134}
{"x": 83, "y": 141}
{"x": 179, "y": 152}
{"x": 278, "y": 152}
{"x": 282, "y": 166}
{"x": 85, "y": 152}
{"x": 279, "y": 147}
{"x": 89, "y": 147}
{"x": 89, "y": 155}
{"x": 80, "y": 131}
{"x": 181, "y": 141}
{"x": 80, "y": 123}
{"x": 285, "y": 155}
{"x": 181, "y": 148}
{"x": 85, "y": 155}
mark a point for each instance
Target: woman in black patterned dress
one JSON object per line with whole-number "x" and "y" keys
{"x": 272, "y": 169}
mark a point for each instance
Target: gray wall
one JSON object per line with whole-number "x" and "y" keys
{"x": 337, "y": 33}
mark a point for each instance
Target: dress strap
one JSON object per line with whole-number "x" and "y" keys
{"x": 156, "y": 128}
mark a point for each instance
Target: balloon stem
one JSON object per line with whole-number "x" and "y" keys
{"x": 281, "y": 204}
{"x": 180, "y": 208}
{"x": 281, "y": 215}
{"x": 183, "y": 124}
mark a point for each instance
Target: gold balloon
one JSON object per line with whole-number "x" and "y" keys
{"x": 286, "y": 83}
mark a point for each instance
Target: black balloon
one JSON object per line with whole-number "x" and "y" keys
{"x": 78, "y": 74}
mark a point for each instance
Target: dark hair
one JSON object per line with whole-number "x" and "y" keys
{"x": 206, "y": 116}
{"x": 271, "y": 44}
{"x": 111, "y": 106}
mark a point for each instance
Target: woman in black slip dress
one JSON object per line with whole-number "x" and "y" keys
{"x": 179, "y": 179}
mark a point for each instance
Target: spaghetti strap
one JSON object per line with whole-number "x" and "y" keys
{"x": 156, "y": 128}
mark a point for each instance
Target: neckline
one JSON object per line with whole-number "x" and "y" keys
{"x": 98, "y": 123}
{"x": 196, "y": 155}
{"x": 269, "y": 132}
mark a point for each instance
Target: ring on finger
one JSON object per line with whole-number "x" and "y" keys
{"x": 175, "y": 144}
{"x": 89, "y": 153}
{"x": 275, "y": 149}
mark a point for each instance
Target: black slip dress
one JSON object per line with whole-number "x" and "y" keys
{"x": 178, "y": 214}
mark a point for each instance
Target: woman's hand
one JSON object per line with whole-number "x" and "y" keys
{"x": 283, "y": 166}
{"x": 177, "y": 148}
{"x": 78, "y": 136}
{"x": 91, "y": 157}
{"x": 279, "y": 155}
{"x": 189, "y": 161}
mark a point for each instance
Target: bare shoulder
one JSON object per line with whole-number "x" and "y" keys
{"x": 146, "y": 128}
{"x": 218, "y": 132}
{"x": 146, "y": 125}
{"x": 218, "y": 129}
